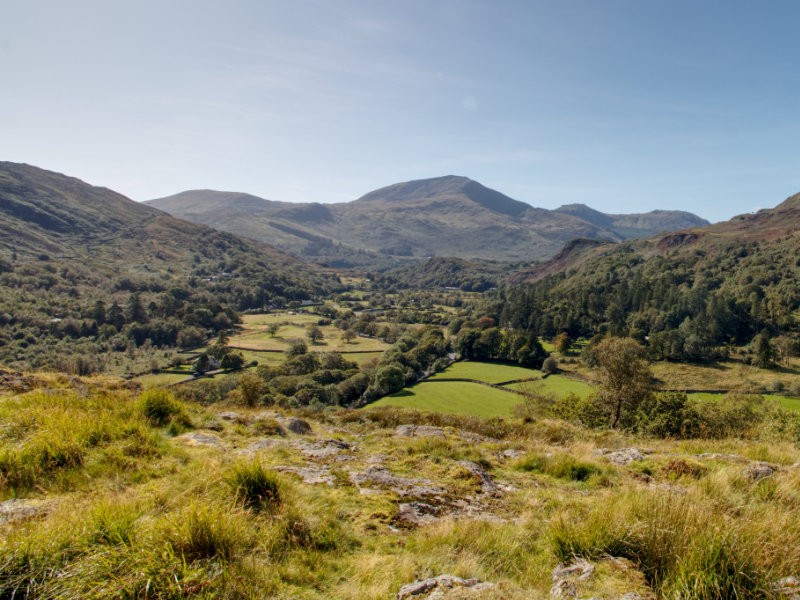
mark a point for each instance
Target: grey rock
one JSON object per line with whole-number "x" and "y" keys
{"x": 298, "y": 426}
{"x": 566, "y": 576}
{"x": 624, "y": 456}
{"x": 577, "y": 570}
{"x": 418, "y": 513}
{"x": 233, "y": 416}
{"x": 487, "y": 483}
{"x": 440, "y": 584}
{"x": 19, "y": 509}
{"x": 564, "y": 588}
{"x": 759, "y": 470}
{"x": 324, "y": 448}
{"x": 419, "y": 431}
{"x": 263, "y": 444}
{"x": 512, "y": 454}
{"x": 199, "y": 438}
{"x": 788, "y": 587}
{"x": 312, "y": 475}
{"x": 403, "y": 486}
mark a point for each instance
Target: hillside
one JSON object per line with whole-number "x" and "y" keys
{"x": 444, "y": 216}
{"x": 70, "y": 251}
{"x": 121, "y": 493}
{"x": 689, "y": 293}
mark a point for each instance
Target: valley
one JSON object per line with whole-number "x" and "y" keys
{"x": 621, "y": 420}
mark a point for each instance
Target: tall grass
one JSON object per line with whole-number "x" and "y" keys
{"x": 46, "y": 433}
{"x": 682, "y": 546}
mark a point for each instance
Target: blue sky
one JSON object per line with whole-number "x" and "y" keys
{"x": 622, "y": 105}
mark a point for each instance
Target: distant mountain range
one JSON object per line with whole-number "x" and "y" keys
{"x": 445, "y": 216}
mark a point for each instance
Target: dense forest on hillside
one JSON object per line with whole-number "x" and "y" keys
{"x": 688, "y": 303}
{"x": 88, "y": 277}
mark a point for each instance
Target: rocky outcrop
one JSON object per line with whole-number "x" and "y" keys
{"x": 405, "y": 487}
{"x": 566, "y": 576}
{"x": 623, "y": 456}
{"x": 759, "y": 470}
{"x": 437, "y": 587}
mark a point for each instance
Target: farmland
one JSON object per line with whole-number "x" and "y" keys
{"x": 254, "y": 334}
{"x": 444, "y": 394}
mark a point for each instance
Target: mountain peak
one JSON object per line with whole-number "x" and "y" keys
{"x": 448, "y": 186}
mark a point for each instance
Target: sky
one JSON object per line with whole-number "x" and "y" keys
{"x": 624, "y": 105}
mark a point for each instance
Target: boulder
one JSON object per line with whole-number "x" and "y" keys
{"x": 759, "y": 470}
{"x": 297, "y": 426}
{"x": 566, "y": 576}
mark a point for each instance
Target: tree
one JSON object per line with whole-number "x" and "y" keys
{"x": 273, "y": 328}
{"x": 624, "y": 378}
{"x": 296, "y": 348}
{"x": 314, "y": 333}
{"x": 390, "y": 378}
{"x": 550, "y": 365}
{"x": 348, "y": 335}
{"x": 251, "y": 387}
{"x": 136, "y": 312}
{"x": 232, "y": 361}
{"x": 201, "y": 364}
{"x": 765, "y": 353}
{"x": 563, "y": 343}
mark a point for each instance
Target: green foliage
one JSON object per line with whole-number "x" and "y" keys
{"x": 624, "y": 379}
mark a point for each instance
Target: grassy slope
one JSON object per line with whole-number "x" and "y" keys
{"x": 144, "y": 524}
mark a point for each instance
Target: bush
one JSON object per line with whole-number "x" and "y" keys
{"x": 550, "y": 365}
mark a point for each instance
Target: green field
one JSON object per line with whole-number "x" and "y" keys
{"x": 488, "y": 372}
{"x": 458, "y": 397}
{"x": 555, "y": 384}
{"x": 253, "y": 334}
{"x": 362, "y": 358}
{"x": 160, "y": 379}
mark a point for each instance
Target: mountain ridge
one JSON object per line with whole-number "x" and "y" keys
{"x": 450, "y": 215}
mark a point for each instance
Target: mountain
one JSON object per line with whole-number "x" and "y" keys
{"x": 444, "y": 216}
{"x": 66, "y": 245}
{"x": 636, "y": 225}
{"x": 689, "y": 293}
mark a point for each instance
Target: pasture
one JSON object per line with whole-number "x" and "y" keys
{"x": 488, "y": 372}
{"x": 253, "y": 334}
{"x": 558, "y": 385}
{"x": 456, "y": 397}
